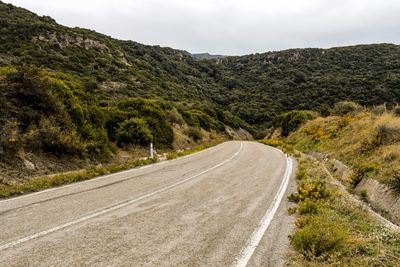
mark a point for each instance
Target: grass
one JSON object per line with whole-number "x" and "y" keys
{"x": 284, "y": 146}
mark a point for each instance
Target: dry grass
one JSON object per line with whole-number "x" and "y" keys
{"x": 334, "y": 231}
{"x": 362, "y": 140}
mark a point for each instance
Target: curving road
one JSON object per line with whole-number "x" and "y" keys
{"x": 218, "y": 207}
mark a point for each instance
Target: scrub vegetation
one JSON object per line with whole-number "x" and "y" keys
{"x": 332, "y": 230}
{"x": 368, "y": 141}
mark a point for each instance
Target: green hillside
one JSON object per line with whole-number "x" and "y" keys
{"x": 89, "y": 85}
{"x": 80, "y": 93}
{"x": 259, "y": 87}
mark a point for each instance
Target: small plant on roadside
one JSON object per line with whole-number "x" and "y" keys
{"x": 292, "y": 210}
{"x": 308, "y": 207}
{"x": 320, "y": 236}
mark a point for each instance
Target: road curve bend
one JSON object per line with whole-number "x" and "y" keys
{"x": 224, "y": 206}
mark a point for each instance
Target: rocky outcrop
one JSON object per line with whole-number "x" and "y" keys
{"x": 238, "y": 134}
{"x": 65, "y": 40}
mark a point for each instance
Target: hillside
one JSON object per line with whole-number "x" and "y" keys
{"x": 255, "y": 87}
{"x": 273, "y": 82}
{"x": 78, "y": 93}
{"x": 348, "y": 185}
{"x": 206, "y": 56}
{"x": 368, "y": 142}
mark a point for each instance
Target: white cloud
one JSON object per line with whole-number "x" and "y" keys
{"x": 231, "y": 26}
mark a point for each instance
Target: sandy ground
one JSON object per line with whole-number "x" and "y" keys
{"x": 197, "y": 210}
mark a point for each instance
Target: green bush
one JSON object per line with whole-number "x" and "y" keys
{"x": 195, "y": 133}
{"x": 151, "y": 111}
{"x": 346, "y": 107}
{"x": 308, "y": 207}
{"x": 55, "y": 140}
{"x": 324, "y": 110}
{"x": 310, "y": 189}
{"x": 134, "y": 131}
{"x": 387, "y": 135}
{"x": 174, "y": 116}
{"x": 319, "y": 236}
{"x": 292, "y": 120}
{"x": 378, "y": 110}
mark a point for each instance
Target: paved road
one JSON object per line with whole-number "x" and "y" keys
{"x": 201, "y": 210}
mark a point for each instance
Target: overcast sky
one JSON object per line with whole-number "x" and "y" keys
{"x": 231, "y": 27}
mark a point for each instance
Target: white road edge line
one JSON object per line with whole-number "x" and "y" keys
{"x": 81, "y": 182}
{"x": 256, "y": 236}
{"x": 118, "y": 206}
{"x": 98, "y": 178}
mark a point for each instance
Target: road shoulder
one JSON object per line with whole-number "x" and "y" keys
{"x": 274, "y": 247}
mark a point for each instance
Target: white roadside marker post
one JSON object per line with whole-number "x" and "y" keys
{"x": 151, "y": 150}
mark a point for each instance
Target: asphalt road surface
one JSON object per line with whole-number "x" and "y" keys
{"x": 224, "y": 206}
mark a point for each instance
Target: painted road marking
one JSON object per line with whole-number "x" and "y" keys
{"x": 118, "y": 206}
{"x": 99, "y": 178}
{"x": 256, "y": 236}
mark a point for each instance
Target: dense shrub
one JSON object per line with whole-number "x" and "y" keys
{"x": 291, "y": 121}
{"x": 387, "y": 135}
{"x": 52, "y": 113}
{"x": 55, "y": 140}
{"x": 346, "y": 107}
{"x": 310, "y": 189}
{"x": 378, "y": 110}
{"x": 134, "y": 131}
{"x": 174, "y": 116}
{"x": 195, "y": 133}
{"x": 319, "y": 236}
{"x": 324, "y": 110}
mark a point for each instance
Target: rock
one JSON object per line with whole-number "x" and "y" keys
{"x": 29, "y": 165}
{"x": 317, "y": 155}
{"x": 341, "y": 170}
